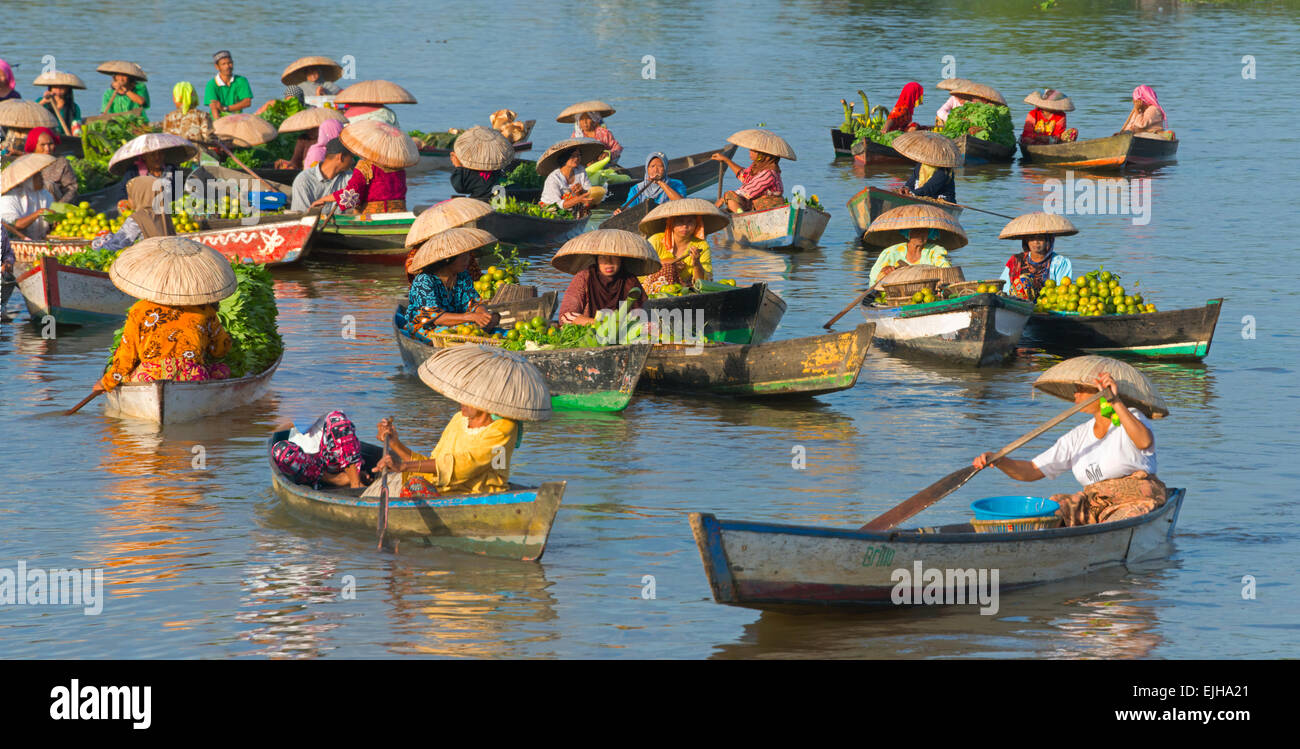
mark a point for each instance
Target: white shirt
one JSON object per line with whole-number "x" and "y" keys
{"x": 556, "y": 185}
{"x": 1091, "y": 459}
{"x": 24, "y": 201}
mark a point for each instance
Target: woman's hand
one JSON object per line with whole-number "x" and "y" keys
{"x": 573, "y": 318}
{"x": 98, "y": 388}
{"x": 983, "y": 460}
{"x": 885, "y": 271}
{"x": 386, "y": 430}
{"x": 455, "y": 161}
{"x": 390, "y": 463}
{"x": 1108, "y": 388}
{"x": 481, "y": 318}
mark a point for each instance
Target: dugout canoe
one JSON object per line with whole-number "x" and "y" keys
{"x": 379, "y": 238}
{"x": 746, "y": 314}
{"x": 783, "y": 227}
{"x": 522, "y": 229}
{"x": 514, "y": 524}
{"x": 1114, "y": 152}
{"x": 979, "y": 151}
{"x": 869, "y": 202}
{"x": 804, "y": 367}
{"x": 842, "y": 142}
{"x": 976, "y": 330}
{"x": 440, "y": 158}
{"x": 601, "y": 378}
{"x": 697, "y": 171}
{"x": 868, "y": 151}
{"x": 166, "y": 402}
{"x": 799, "y": 567}
{"x": 630, "y": 219}
{"x": 1175, "y": 334}
{"x": 72, "y": 296}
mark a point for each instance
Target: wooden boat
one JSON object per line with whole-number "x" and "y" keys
{"x": 977, "y": 329}
{"x": 440, "y": 158}
{"x": 522, "y": 310}
{"x": 514, "y": 524}
{"x": 73, "y": 296}
{"x": 629, "y": 220}
{"x": 783, "y": 227}
{"x": 522, "y": 229}
{"x": 1113, "y": 152}
{"x": 381, "y": 238}
{"x": 746, "y": 314}
{"x": 170, "y": 402}
{"x": 283, "y": 176}
{"x": 776, "y": 566}
{"x": 1175, "y": 334}
{"x": 797, "y": 367}
{"x": 868, "y": 151}
{"x": 70, "y": 145}
{"x": 602, "y": 378}
{"x": 697, "y": 171}
{"x": 979, "y": 151}
{"x": 842, "y": 142}
{"x": 870, "y": 202}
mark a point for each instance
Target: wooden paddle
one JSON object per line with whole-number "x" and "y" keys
{"x": 249, "y": 172}
{"x": 383, "y": 494}
{"x": 722, "y": 171}
{"x": 852, "y": 304}
{"x": 953, "y": 481}
{"x": 83, "y": 402}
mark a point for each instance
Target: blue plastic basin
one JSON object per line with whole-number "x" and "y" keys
{"x": 268, "y": 201}
{"x": 1010, "y": 508}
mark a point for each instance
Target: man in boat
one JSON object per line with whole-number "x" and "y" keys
{"x": 226, "y": 92}
{"x": 315, "y": 186}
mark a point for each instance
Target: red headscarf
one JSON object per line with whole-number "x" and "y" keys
{"x": 34, "y": 137}
{"x": 907, "y": 101}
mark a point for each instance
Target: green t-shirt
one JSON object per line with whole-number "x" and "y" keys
{"x": 238, "y": 90}
{"x": 124, "y": 103}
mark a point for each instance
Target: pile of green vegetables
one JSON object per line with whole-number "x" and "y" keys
{"x": 280, "y": 110}
{"x": 100, "y": 139}
{"x": 265, "y": 156}
{"x": 992, "y": 123}
{"x": 427, "y": 141}
{"x": 870, "y": 125}
{"x": 249, "y": 315}
{"x": 90, "y": 259}
{"x": 550, "y": 336}
{"x": 524, "y": 175}
{"x": 510, "y": 205}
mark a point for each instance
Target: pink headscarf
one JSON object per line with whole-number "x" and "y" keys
{"x": 328, "y": 131}
{"x": 1146, "y": 94}
{"x": 6, "y": 78}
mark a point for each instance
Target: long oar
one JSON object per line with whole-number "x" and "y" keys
{"x": 941, "y": 203}
{"x": 83, "y": 402}
{"x": 981, "y": 210}
{"x": 852, "y": 304}
{"x": 266, "y": 185}
{"x": 953, "y": 481}
{"x": 383, "y": 495}
{"x": 722, "y": 170}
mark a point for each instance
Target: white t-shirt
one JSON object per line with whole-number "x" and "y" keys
{"x": 24, "y": 201}
{"x": 556, "y": 185}
{"x": 1091, "y": 459}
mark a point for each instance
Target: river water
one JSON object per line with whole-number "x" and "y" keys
{"x": 204, "y": 563}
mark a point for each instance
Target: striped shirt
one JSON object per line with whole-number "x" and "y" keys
{"x": 766, "y": 182}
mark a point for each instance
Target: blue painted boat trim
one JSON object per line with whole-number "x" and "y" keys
{"x": 716, "y": 564}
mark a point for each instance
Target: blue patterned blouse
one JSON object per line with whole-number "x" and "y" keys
{"x": 429, "y": 292}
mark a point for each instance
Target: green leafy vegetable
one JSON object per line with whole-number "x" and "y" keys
{"x": 991, "y": 123}
{"x": 250, "y": 316}
{"x": 510, "y": 205}
{"x": 524, "y": 175}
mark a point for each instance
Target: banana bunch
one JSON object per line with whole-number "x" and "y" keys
{"x": 870, "y": 119}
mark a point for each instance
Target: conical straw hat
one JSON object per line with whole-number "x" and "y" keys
{"x": 1058, "y": 103}
{"x": 173, "y": 270}
{"x": 490, "y": 379}
{"x": 1134, "y": 387}
{"x": 890, "y": 227}
{"x": 550, "y": 160}
{"x": 657, "y": 220}
{"x": 765, "y": 141}
{"x": 374, "y": 92}
{"x": 483, "y": 148}
{"x": 448, "y": 214}
{"x": 447, "y": 244}
{"x": 58, "y": 78}
{"x": 297, "y": 71}
{"x": 639, "y": 258}
{"x": 1037, "y": 224}
{"x": 245, "y": 130}
{"x": 113, "y": 67}
{"x": 310, "y": 119}
{"x": 176, "y": 150}
{"x": 380, "y": 143}
{"x": 22, "y": 169}
{"x": 979, "y": 90}
{"x": 572, "y": 113}
{"x": 948, "y": 84}
{"x": 25, "y": 115}
{"x": 929, "y": 148}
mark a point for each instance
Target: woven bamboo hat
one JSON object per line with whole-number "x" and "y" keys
{"x": 885, "y": 230}
{"x": 491, "y": 379}
{"x": 309, "y": 119}
{"x": 113, "y": 67}
{"x": 639, "y": 258}
{"x": 297, "y": 71}
{"x": 657, "y": 220}
{"x": 1056, "y": 103}
{"x": 58, "y": 78}
{"x": 1134, "y": 387}
{"x": 380, "y": 143}
{"x": 176, "y": 150}
{"x": 375, "y": 92}
{"x": 448, "y": 244}
{"x": 929, "y": 148}
{"x": 22, "y": 169}
{"x": 765, "y": 141}
{"x": 550, "y": 161}
{"x": 948, "y": 84}
{"x": 483, "y": 148}
{"x": 1037, "y": 224}
{"x": 173, "y": 270}
{"x": 448, "y": 214}
{"x": 245, "y": 130}
{"x": 572, "y": 113}
{"x": 25, "y": 115}
{"x": 980, "y": 91}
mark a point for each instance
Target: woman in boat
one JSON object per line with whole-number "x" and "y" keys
{"x": 900, "y": 117}
{"x": 1045, "y": 123}
{"x": 328, "y": 131}
{"x": 327, "y": 454}
{"x": 58, "y": 177}
{"x": 1147, "y": 116}
{"x": 442, "y": 293}
{"x": 8, "y": 83}
{"x": 187, "y": 120}
{"x": 451, "y": 213}
{"x": 760, "y": 183}
{"x": 58, "y": 98}
{"x": 147, "y": 218}
{"x": 378, "y": 181}
{"x": 654, "y": 188}
{"x": 929, "y": 233}
{"x": 127, "y": 91}
{"x": 173, "y": 332}
{"x": 592, "y": 126}
{"x": 605, "y": 264}
{"x": 566, "y": 184}
{"x": 677, "y": 230}
{"x": 24, "y": 201}
{"x": 479, "y": 157}
{"x": 935, "y": 156}
{"x": 1112, "y": 455}
{"x": 1026, "y": 273}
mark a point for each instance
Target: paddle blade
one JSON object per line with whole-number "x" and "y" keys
{"x": 922, "y": 499}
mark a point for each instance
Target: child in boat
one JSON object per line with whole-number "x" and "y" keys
{"x": 328, "y": 453}
{"x": 760, "y": 183}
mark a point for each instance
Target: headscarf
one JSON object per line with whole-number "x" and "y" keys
{"x": 34, "y": 136}
{"x": 1028, "y": 276}
{"x": 606, "y": 292}
{"x": 1146, "y": 94}
{"x": 670, "y": 236}
{"x": 293, "y": 91}
{"x": 596, "y": 119}
{"x": 141, "y": 191}
{"x": 6, "y": 78}
{"x": 647, "y": 189}
{"x": 184, "y": 96}
{"x": 908, "y": 98}
{"x": 328, "y": 131}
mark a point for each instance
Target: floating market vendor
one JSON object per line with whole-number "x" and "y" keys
{"x": 58, "y": 177}
{"x": 478, "y": 158}
{"x": 588, "y": 122}
{"x": 900, "y": 117}
{"x": 442, "y": 293}
{"x": 449, "y": 214}
{"x": 760, "y": 183}
{"x": 952, "y": 102}
{"x": 309, "y": 148}
{"x": 677, "y": 230}
{"x": 24, "y": 201}
{"x": 147, "y": 216}
{"x": 605, "y": 264}
{"x": 327, "y": 454}
{"x": 316, "y": 75}
{"x": 291, "y": 93}
{"x": 935, "y": 156}
{"x": 8, "y": 83}
{"x": 173, "y": 332}
{"x": 153, "y": 154}
{"x": 1027, "y": 272}
{"x": 929, "y": 232}
{"x": 187, "y": 120}
{"x": 368, "y": 100}
{"x": 378, "y": 182}
{"x": 1147, "y": 116}
{"x": 226, "y": 92}
{"x": 654, "y": 188}
{"x": 566, "y": 183}
{"x": 127, "y": 91}
{"x": 1045, "y": 123}
{"x": 1112, "y": 455}
{"x": 59, "y": 100}
{"x": 315, "y": 186}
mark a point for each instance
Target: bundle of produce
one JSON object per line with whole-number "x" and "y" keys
{"x": 1095, "y": 293}
{"x": 90, "y": 259}
{"x": 538, "y": 334}
{"x": 989, "y": 122}
{"x": 81, "y": 222}
{"x": 430, "y": 141}
{"x": 281, "y": 110}
{"x": 699, "y": 287}
{"x": 224, "y": 207}
{"x": 508, "y": 270}
{"x": 100, "y": 139}
{"x": 598, "y": 174}
{"x": 510, "y": 205}
{"x": 91, "y": 175}
{"x": 523, "y": 176}
{"x": 869, "y": 125}
{"x": 250, "y": 316}
{"x": 264, "y": 156}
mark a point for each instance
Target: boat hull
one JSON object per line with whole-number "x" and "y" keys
{"x": 166, "y": 402}
{"x": 747, "y": 314}
{"x": 871, "y": 152}
{"x": 520, "y": 229}
{"x": 976, "y": 330}
{"x": 870, "y": 202}
{"x": 1114, "y": 152}
{"x": 979, "y": 151}
{"x": 378, "y": 239}
{"x": 268, "y": 243}
{"x": 1176, "y": 334}
{"x": 696, "y": 171}
{"x": 72, "y": 296}
{"x": 783, "y": 227}
{"x": 842, "y": 142}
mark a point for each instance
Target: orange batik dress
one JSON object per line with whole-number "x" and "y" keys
{"x": 162, "y": 342}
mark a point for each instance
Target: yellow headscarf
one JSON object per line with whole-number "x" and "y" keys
{"x": 185, "y": 97}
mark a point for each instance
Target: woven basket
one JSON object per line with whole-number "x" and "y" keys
{"x": 1043, "y": 522}
{"x": 512, "y": 292}
{"x": 447, "y": 340}
{"x": 964, "y": 288}
{"x": 901, "y": 293}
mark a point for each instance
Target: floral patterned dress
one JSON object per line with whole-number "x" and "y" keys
{"x": 162, "y": 342}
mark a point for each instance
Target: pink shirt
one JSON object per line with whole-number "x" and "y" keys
{"x": 371, "y": 183}
{"x": 952, "y": 103}
{"x": 603, "y": 135}
{"x": 766, "y": 182}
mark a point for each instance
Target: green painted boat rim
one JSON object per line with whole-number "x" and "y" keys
{"x": 604, "y": 400}
{"x": 961, "y": 303}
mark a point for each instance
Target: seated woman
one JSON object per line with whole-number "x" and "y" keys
{"x": 61, "y": 103}
{"x": 187, "y": 120}
{"x": 760, "y": 183}
{"x": 1026, "y": 273}
{"x": 605, "y": 264}
{"x": 377, "y": 184}
{"x": 567, "y": 185}
{"x": 442, "y": 293}
{"x": 479, "y": 158}
{"x": 654, "y": 188}
{"x": 590, "y": 124}
{"x": 931, "y": 182}
{"x": 677, "y": 232}
{"x": 930, "y": 234}
{"x": 125, "y": 93}
{"x": 900, "y": 117}
{"x": 8, "y": 83}
{"x": 1147, "y": 115}
{"x": 1045, "y": 123}
{"x": 328, "y": 454}
{"x": 58, "y": 177}
{"x": 24, "y": 201}
{"x": 919, "y": 249}
{"x": 143, "y": 223}
{"x": 1114, "y": 462}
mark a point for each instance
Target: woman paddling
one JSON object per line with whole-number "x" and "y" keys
{"x": 1045, "y": 123}
{"x": 760, "y": 183}
{"x": 605, "y": 264}
{"x": 929, "y": 234}
{"x": 1112, "y": 455}
{"x": 442, "y": 293}
{"x": 677, "y": 230}
{"x": 58, "y": 98}
{"x": 127, "y": 91}
{"x": 478, "y": 158}
{"x": 935, "y": 156}
{"x": 654, "y": 188}
{"x": 1026, "y": 273}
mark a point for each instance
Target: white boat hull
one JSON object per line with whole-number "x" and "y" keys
{"x": 169, "y": 402}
